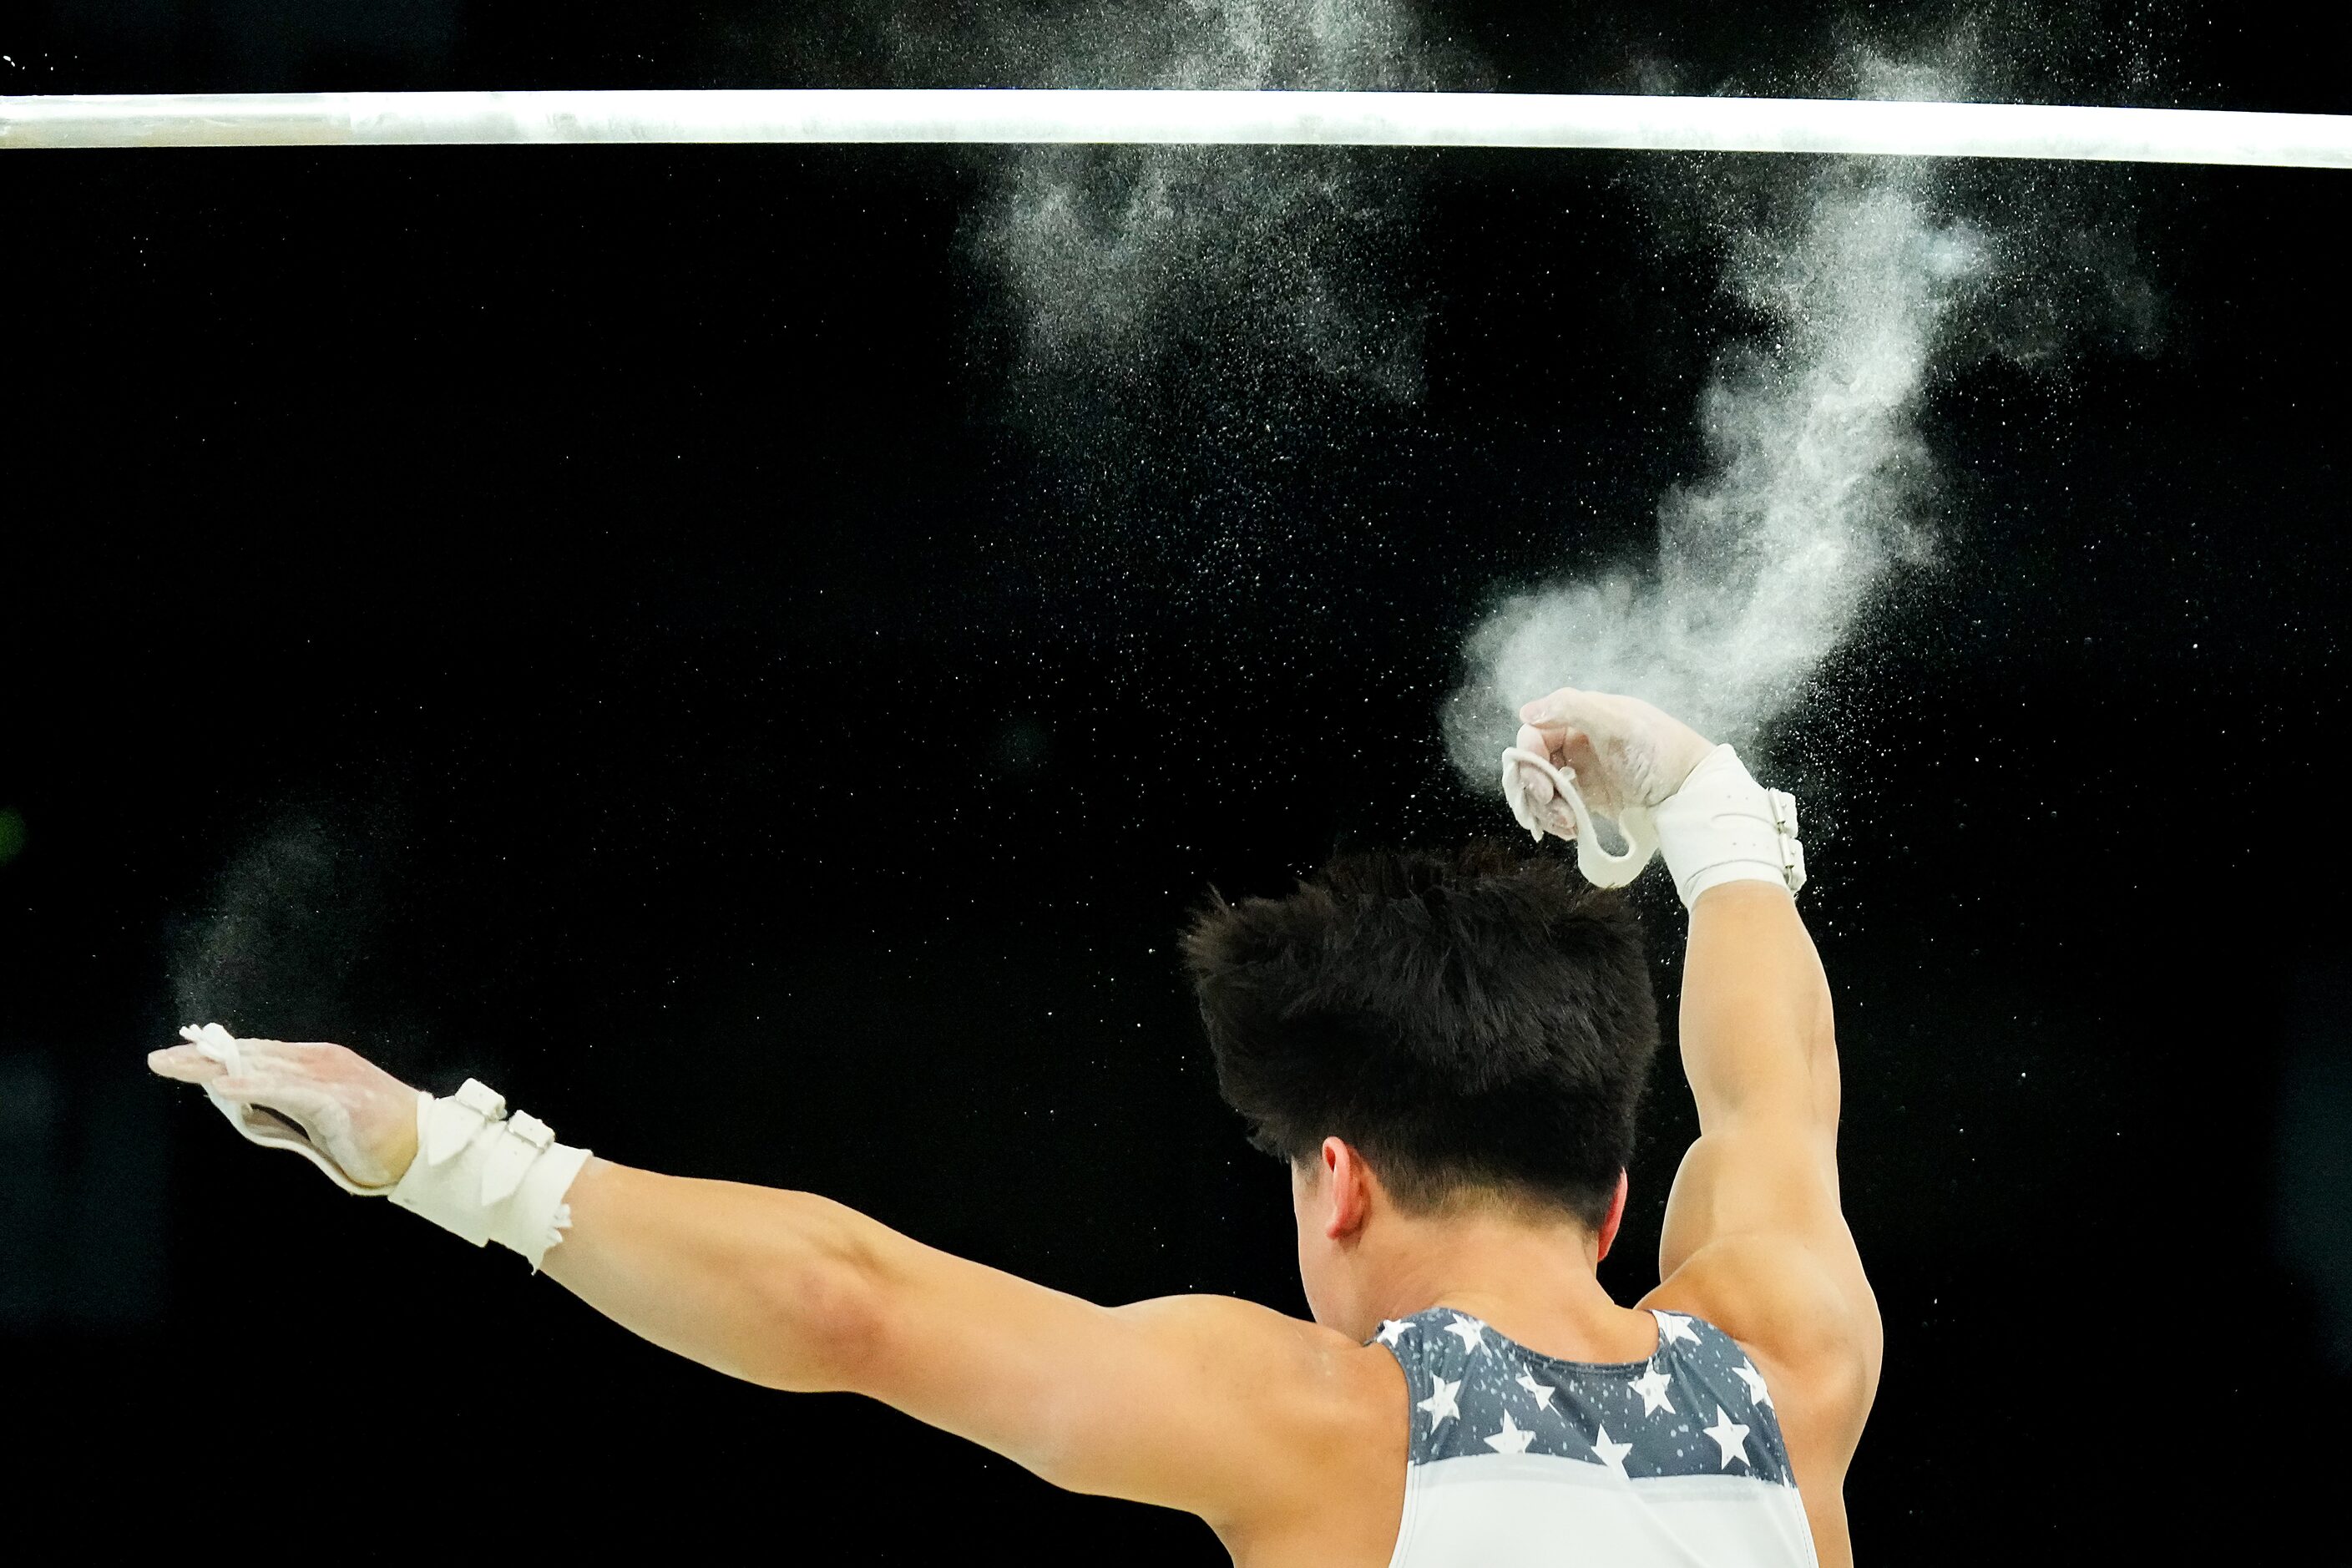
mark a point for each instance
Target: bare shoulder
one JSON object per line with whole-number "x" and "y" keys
{"x": 1295, "y": 1370}
{"x": 1802, "y": 1310}
{"x": 1248, "y": 1419}
{"x": 1287, "y": 1438}
{"x": 1323, "y": 1423}
{"x": 1754, "y": 1243}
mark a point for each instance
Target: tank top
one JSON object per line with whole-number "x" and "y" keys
{"x": 1523, "y": 1460}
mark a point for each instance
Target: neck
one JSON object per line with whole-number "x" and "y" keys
{"x": 1532, "y": 1279}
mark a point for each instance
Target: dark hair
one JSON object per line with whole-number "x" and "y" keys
{"x": 1480, "y": 1020}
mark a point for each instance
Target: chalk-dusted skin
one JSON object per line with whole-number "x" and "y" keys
{"x": 1290, "y": 1438}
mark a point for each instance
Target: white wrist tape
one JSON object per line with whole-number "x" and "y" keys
{"x": 1723, "y": 826}
{"x": 489, "y": 1176}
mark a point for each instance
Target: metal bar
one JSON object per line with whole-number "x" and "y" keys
{"x": 1320, "y": 119}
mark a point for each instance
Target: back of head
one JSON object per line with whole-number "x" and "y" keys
{"x": 1474, "y": 1022}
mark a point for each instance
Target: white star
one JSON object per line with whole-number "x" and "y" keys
{"x": 1472, "y": 1338}
{"x": 1757, "y": 1393}
{"x": 1673, "y": 1326}
{"x": 1542, "y": 1391}
{"x": 1730, "y": 1436}
{"x": 1510, "y": 1439}
{"x": 1652, "y": 1386}
{"x": 1440, "y": 1405}
{"x": 1391, "y": 1330}
{"x": 1612, "y": 1454}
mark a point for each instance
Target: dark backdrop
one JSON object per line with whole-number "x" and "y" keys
{"x": 588, "y": 617}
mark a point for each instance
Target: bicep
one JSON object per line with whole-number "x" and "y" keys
{"x": 1768, "y": 1176}
{"x": 1754, "y": 1242}
{"x": 1758, "y": 1044}
{"x": 1754, "y": 1238}
{"x": 1185, "y": 1401}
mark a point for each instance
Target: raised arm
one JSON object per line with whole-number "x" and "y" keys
{"x": 1754, "y": 1238}
{"x": 1761, "y": 1052}
{"x": 1754, "y": 1218}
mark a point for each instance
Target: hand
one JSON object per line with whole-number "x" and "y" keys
{"x": 1624, "y": 752}
{"x": 348, "y": 1110}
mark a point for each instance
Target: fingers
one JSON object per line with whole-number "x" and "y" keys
{"x": 1554, "y": 709}
{"x": 184, "y": 1063}
{"x": 313, "y": 1112}
{"x": 1549, "y": 744}
{"x": 1564, "y": 709}
{"x": 299, "y": 1055}
{"x": 1532, "y": 785}
{"x": 192, "y": 1064}
{"x": 275, "y": 1051}
{"x": 1559, "y": 745}
{"x": 274, "y": 1091}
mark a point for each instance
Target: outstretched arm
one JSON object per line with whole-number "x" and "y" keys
{"x": 794, "y": 1292}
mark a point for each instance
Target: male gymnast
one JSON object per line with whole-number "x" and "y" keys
{"x": 1447, "y": 1051}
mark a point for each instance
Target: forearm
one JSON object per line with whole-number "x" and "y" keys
{"x": 764, "y": 1285}
{"x": 1757, "y": 1022}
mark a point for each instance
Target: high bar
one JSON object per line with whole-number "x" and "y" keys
{"x": 1174, "y": 116}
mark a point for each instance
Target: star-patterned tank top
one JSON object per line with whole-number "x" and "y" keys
{"x": 1526, "y": 1460}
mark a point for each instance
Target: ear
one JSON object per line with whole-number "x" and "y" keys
{"x": 1616, "y": 1213}
{"x": 1346, "y": 1189}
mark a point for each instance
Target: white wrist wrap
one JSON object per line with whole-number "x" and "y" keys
{"x": 1723, "y": 826}
{"x": 487, "y": 1176}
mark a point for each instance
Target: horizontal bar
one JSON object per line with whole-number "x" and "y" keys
{"x": 1318, "y": 118}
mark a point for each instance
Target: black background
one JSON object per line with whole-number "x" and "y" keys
{"x": 724, "y": 730}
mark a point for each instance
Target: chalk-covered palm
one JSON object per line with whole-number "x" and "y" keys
{"x": 351, "y": 1111}
{"x": 1624, "y": 752}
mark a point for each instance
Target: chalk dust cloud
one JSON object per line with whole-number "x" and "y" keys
{"x": 301, "y": 937}
{"x": 1126, "y": 264}
{"x": 1861, "y": 281}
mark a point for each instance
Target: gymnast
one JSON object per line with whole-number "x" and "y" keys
{"x": 1446, "y": 1052}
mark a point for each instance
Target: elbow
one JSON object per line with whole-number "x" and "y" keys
{"x": 824, "y": 1317}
